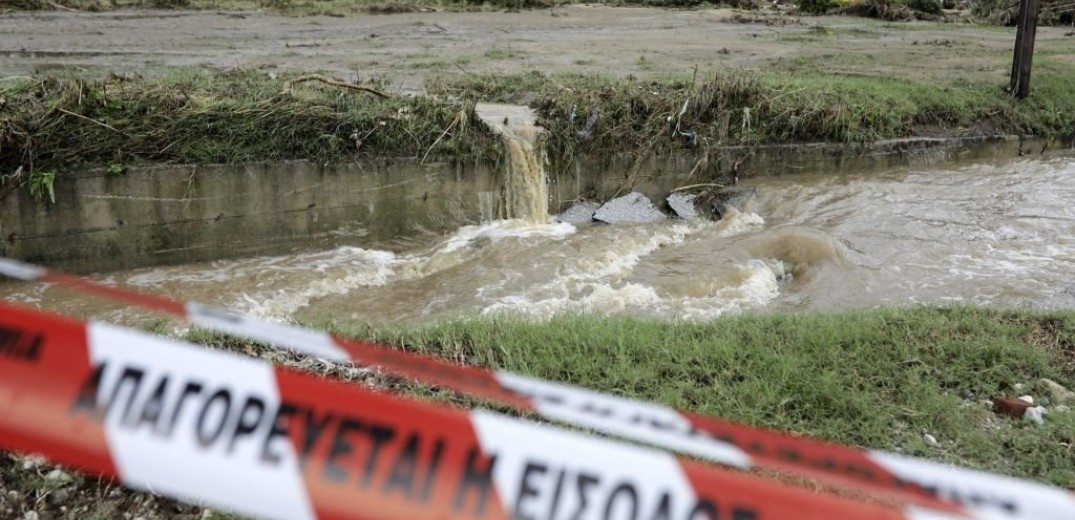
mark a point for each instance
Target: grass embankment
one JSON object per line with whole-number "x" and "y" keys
{"x": 877, "y": 379}
{"x": 61, "y": 124}
{"x": 229, "y": 117}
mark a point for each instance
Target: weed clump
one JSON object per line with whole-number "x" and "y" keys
{"x": 64, "y": 123}
{"x": 603, "y": 115}
{"x": 1004, "y": 12}
{"x": 877, "y": 379}
{"x": 891, "y": 10}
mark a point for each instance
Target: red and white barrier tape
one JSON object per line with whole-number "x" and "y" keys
{"x": 917, "y": 481}
{"x": 237, "y": 433}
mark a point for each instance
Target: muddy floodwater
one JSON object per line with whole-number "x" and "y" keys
{"x": 995, "y": 233}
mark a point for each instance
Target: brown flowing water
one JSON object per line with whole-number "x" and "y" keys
{"x": 995, "y": 233}
{"x": 525, "y": 193}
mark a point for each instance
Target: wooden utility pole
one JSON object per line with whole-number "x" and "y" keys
{"x": 1025, "y": 31}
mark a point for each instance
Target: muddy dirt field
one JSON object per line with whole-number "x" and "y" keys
{"x": 406, "y": 49}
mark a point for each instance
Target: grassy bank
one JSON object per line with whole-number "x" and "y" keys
{"x": 745, "y": 108}
{"x": 231, "y": 117}
{"x": 878, "y": 379}
{"x": 52, "y": 125}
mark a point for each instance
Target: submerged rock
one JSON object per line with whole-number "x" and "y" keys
{"x": 631, "y": 208}
{"x": 578, "y": 213}
{"x": 682, "y": 204}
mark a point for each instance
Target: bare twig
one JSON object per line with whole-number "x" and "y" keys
{"x": 465, "y": 71}
{"x": 65, "y": 8}
{"x": 458, "y": 117}
{"x": 334, "y": 82}
{"x": 701, "y": 185}
{"x": 94, "y": 121}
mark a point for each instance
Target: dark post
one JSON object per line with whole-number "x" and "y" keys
{"x": 1025, "y": 32}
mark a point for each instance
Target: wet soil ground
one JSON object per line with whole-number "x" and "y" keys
{"x": 409, "y": 48}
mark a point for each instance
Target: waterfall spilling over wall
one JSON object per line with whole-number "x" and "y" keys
{"x": 525, "y": 187}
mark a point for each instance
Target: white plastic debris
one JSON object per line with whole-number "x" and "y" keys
{"x": 1035, "y": 414}
{"x": 1027, "y": 399}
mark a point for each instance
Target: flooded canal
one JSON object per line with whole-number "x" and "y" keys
{"x": 991, "y": 233}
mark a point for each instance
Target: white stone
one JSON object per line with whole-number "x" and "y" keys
{"x": 931, "y": 440}
{"x": 58, "y": 475}
{"x": 1035, "y": 415}
{"x": 1026, "y": 399}
{"x": 32, "y": 461}
{"x": 1057, "y": 391}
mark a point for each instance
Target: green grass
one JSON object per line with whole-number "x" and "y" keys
{"x": 749, "y": 108}
{"x": 878, "y": 379}
{"x": 499, "y": 53}
{"x": 191, "y": 116}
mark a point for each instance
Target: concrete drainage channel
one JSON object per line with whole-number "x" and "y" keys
{"x": 181, "y": 213}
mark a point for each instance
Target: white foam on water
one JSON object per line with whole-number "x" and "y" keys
{"x": 601, "y": 299}
{"x": 350, "y": 268}
{"x": 735, "y": 222}
{"x": 614, "y": 263}
{"x": 621, "y": 257}
{"x": 467, "y": 241}
{"x": 597, "y": 281}
{"x": 501, "y": 229}
{"x": 758, "y": 285}
{"x": 755, "y": 286}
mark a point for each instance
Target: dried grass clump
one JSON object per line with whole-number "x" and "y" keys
{"x": 240, "y": 116}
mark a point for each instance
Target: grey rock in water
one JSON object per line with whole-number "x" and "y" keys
{"x": 682, "y": 204}
{"x": 633, "y": 208}
{"x": 579, "y": 213}
{"x": 720, "y": 201}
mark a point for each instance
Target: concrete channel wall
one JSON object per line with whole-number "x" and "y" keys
{"x": 172, "y": 214}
